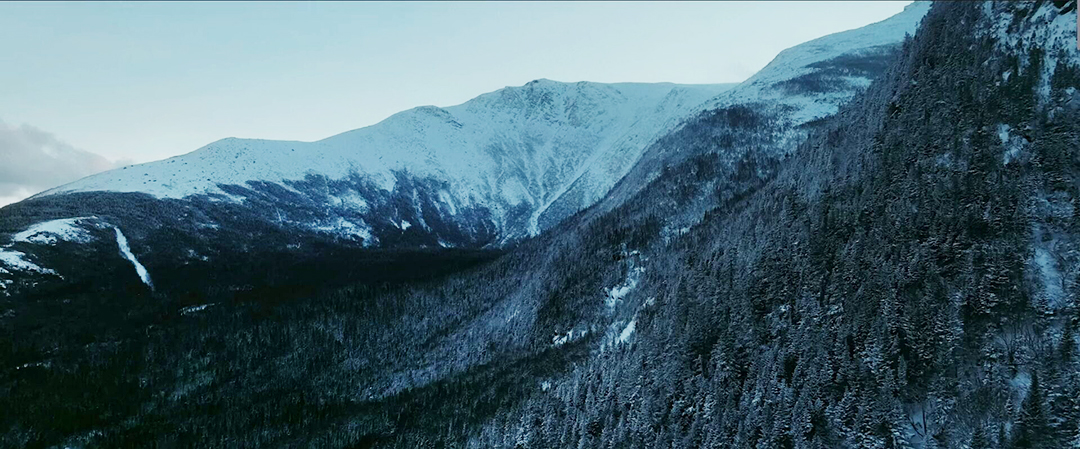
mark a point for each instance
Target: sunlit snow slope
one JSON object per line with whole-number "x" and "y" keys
{"x": 517, "y": 147}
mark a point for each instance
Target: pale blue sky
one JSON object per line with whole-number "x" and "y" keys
{"x": 144, "y": 81}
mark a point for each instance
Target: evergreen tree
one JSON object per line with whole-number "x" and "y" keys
{"x": 1032, "y": 428}
{"x": 980, "y": 439}
{"x": 1065, "y": 407}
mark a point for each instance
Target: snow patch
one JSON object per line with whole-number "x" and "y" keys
{"x": 619, "y": 332}
{"x": 1013, "y": 144}
{"x": 125, "y": 250}
{"x": 1020, "y": 384}
{"x": 627, "y": 332}
{"x": 345, "y": 228}
{"x": 1045, "y": 28}
{"x": 352, "y": 201}
{"x": 447, "y": 201}
{"x": 16, "y": 260}
{"x": 614, "y": 296}
{"x": 34, "y": 364}
{"x": 1051, "y": 277}
{"x": 559, "y": 340}
{"x": 49, "y": 232}
{"x": 569, "y": 336}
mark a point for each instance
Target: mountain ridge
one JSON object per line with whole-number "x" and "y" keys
{"x": 488, "y": 173}
{"x": 574, "y": 140}
{"x": 469, "y": 145}
{"x": 899, "y": 274}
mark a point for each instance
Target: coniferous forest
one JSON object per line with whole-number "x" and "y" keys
{"x": 904, "y": 274}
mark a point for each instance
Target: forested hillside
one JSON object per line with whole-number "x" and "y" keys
{"x": 906, "y": 279}
{"x": 903, "y": 274}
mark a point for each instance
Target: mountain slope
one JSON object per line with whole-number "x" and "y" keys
{"x": 904, "y": 278}
{"x": 900, "y": 280}
{"x": 486, "y": 173}
{"x": 594, "y": 334}
{"x": 899, "y": 275}
{"x": 770, "y": 114}
{"x": 516, "y": 148}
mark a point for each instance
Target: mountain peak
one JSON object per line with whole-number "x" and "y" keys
{"x": 528, "y": 155}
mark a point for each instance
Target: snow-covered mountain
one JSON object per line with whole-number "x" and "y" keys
{"x": 816, "y": 77}
{"x": 899, "y": 274}
{"x": 499, "y": 168}
{"x": 516, "y": 150}
{"x": 771, "y": 113}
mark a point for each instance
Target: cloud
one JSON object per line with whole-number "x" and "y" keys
{"x": 32, "y": 160}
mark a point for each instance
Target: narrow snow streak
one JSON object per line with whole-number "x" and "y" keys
{"x": 125, "y": 250}
{"x": 193, "y": 309}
